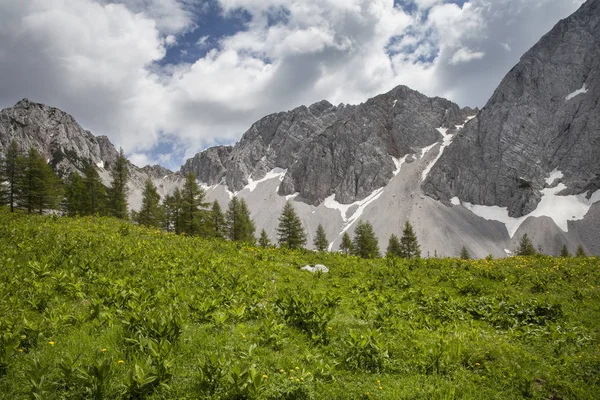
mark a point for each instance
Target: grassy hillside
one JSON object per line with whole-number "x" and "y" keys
{"x": 97, "y": 308}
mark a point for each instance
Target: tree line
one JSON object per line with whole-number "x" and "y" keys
{"x": 28, "y": 182}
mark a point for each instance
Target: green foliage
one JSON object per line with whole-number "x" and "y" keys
{"x": 117, "y": 194}
{"x": 321, "y": 243}
{"x": 95, "y": 201}
{"x": 263, "y": 240}
{"x": 580, "y": 252}
{"x": 192, "y": 215}
{"x": 393, "y": 249}
{"x": 346, "y": 246}
{"x": 10, "y": 175}
{"x": 100, "y": 308}
{"x": 172, "y": 206}
{"x": 464, "y": 254}
{"x": 37, "y": 187}
{"x": 151, "y": 213}
{"x": 240, "y": 226}
{"x": 365, "y": 242}
{"x": 525, "y": 247}
{"x": 409, "y": 245}
{"x": 290, "y": 230}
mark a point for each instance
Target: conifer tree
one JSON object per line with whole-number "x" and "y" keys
{"x": 240, "y": 226}
{"x": 38, "y": 186}
{"x": 409, "y": 245}
{"x": 365, "y": 242}
{"x": 151, "y": 213}
{"x": 290, "y": 231}
{"x": 346, "y": 246}
{"x": 564, "y": 252}
{"x": 11, "y": 171}
{"x": 172, "y": 206}
{"x": 580, "y": 252}
{"x": 321, "y": 243}
{"x": 217, "y": 223}
{"x": 192, "y": 211}
{"x": 264, "y": 240}
{"x": 393, "y": 249}
{"x": 464, "y": 253}
{"x": 74, "y": 203}
{"x": 94, "y": 193}
{"x": 117, "y": 194}
{"x": 3, "y": 184}
{"x": 525, "y": 247}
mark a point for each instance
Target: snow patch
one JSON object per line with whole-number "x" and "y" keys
{"x": 395, "y": 101}
{"x": 100, "y": 164}
{"x": 471, "y": 117}
{"x": 560, "y": 208}
{"x": 291, "y": 196}
{"x": 508, "y": 252}
{"x": 331, "y": 203}
{"x": 554, "y": 175}
{"x": 455, "y": 201}
{"x": 274, "y": 173}
{"x": 399, "y": 162}
{"x": 577, "y": 92}
{"x": 424, "y": 150}
{"x": 446, "y": 140}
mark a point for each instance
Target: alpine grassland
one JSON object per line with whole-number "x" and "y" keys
{"x": 100, "y": 308}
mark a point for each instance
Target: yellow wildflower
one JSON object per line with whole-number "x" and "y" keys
{"x": 51, "y": 343}
{"x": 120, "y": 362}
{"x": 103, "y": 350}
{"x": 265, "y": 377}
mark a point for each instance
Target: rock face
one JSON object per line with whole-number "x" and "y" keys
{"x": 69, "y": 148}
{"x": 346, "y": 150}
{"x": 56, "y": 135}
{"x": 544, "y": 117}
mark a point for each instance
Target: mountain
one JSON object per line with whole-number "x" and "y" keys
{"x": 346, "y": 150}
{"x": 526, "y": 163}
{"x": 69, "y": 148}
{"x": 542, "y": 122}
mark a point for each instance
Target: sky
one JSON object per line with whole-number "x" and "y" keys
{"x": 165, "y": 79}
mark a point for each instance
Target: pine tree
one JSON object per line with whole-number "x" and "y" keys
{"x": 11, "y": 174}
{"x": 217, "y": 223}
{"x": 464, "y": 253}
{"x": 172, "y": 206}
{"x": 580, "y": 252}
{"x": 409, "y": 245}
{"x": 365, "y": 242}
{"x": 240, "y": 226}
{"x": 3, "y": 184}
{"x": 151, "y": 212}
{"x": 525, "y": 247}
{"x": 346, "y": 246}
{"x": 264, "y": 240}
{"x": 192, "y": 211}
{"x": 321, "y": 243}
{"x": 564, "y": 252}
{"x": 117, "y": 194}
{"x": 38, "y": 186}
{"x": 393, "y": 249}
{"x": 290, "y": 230}
{"x": 74, "y": 203}
{"x": 94, "y": 193}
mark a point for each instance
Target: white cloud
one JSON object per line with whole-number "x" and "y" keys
{"x": 464, "y": 55}
{"x": 97, "y": 59}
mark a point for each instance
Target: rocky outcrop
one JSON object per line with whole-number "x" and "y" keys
{"x": 544, "y": 116}
{"x": 346, "y": 150}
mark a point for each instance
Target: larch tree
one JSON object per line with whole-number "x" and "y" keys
{"x": 564, "y": 252}
{"x": 240, "y": 226}
{"x": 94, "y": 192}
{"x": 580, "y": 252}
{"x": 74, "y": 203}
{"x": 117, "y": 194}
{"x": 151, "y": 212}
{"x": 263, "y": 240}
{"x": 464, "y": 253}
{"x": 365, "y": 242}
{"x": 393, "y": 248}
{"x": 320, "y": 242}
{"x": 193, "y": 211}
{"x": 290, "y": 231}
{"x": 172, "y": 206}
{"x": 409, "y": 245}
{"x": 38, "y": 186}
{"x": 346, "y": 246}
{"x": 217, "y": 223}
{"x": 525, "y": 247}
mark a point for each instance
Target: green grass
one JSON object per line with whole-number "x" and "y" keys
{"x": 98, "y": 308}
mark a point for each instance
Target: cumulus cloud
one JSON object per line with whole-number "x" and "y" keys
{"x": 103, "y": 60}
